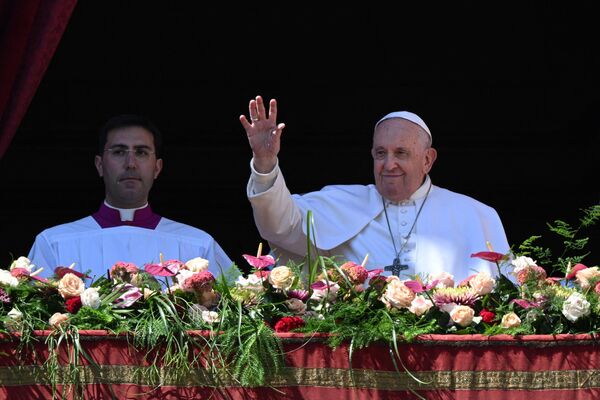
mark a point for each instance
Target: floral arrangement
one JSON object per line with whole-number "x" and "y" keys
{"x": 534, "y": 292}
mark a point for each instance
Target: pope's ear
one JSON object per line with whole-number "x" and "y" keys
{"x": 430, "y": 156}
{"x": 98, "y": 163}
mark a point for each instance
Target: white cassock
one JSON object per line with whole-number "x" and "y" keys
{"x": 350, "y": 222}
{"x": 91, "y": 247}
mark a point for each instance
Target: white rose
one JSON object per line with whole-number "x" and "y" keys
{"x": 253, "y": 283}
{"x": 522, "y": 262}
{"x": 576, "y": 306}
{"x": 296, "y": 306}
{"x": 7, "y": 279}
{"x": 420, "y": 305}
{"x": 510, "y": 320}
{"x": 14, "y": 322}
{"x": 22, "y": 262}
{"x": 197, "y": 264}
{"x": 90, "y": 298}
{"x": 210, "y": 317}
{"x": 281, "y": 277}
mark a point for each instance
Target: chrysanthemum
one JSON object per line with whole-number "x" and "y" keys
{"x": 461, "y": 296}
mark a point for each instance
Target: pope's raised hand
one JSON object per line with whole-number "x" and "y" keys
{"x": 264, "y": 134}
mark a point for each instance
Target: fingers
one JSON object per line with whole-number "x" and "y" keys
{"x": 273, "y": 110}
{"x": 253, "y": 109}
{"x": 260, "y": 106}
{"x": 245, "y": 122}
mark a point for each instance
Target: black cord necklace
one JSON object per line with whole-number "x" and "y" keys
{"x": 396, "y": 267}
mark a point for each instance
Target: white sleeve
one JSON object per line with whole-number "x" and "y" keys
{"x": 276, "y": 215}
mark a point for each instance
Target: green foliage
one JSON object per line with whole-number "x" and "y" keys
{"x": 574, "y": 246}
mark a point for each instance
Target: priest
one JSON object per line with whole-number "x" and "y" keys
{"x": 125, "y": 228}
{"x": 403, "y": 224}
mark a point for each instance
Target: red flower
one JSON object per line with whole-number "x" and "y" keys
{"x": 73, "y": 304}
{"x": 489, "y": 256}
{"x": 487, "y": 316}
{"x": 287, "y": 324}
{"x": 576, "y": 268}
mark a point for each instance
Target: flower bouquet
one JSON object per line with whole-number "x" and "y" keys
{"x": 238, "y": 315}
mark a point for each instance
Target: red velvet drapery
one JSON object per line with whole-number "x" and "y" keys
{"x": 30, "y": 31}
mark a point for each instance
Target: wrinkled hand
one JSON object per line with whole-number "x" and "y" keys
{"x": 264, "y": 134}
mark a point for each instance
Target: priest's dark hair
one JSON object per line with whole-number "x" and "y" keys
{"x": 126, "y": 121}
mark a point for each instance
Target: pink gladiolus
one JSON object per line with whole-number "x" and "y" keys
{"x": 260, "y": 262}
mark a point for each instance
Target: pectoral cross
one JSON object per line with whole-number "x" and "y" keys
{"x": 396, "y": 267}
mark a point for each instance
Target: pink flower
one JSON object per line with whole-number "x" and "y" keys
{"x": 129, "y": 295}
{"x": 491, "y": 256}
{"x": 357, "y": 274}
{"x": 123, "y": 271}
{"x": 198, "y": 282}
{"x": 166, "y": 268}
{"x": 573, "y": 271}
{"x": 482, "y": 283}
{"x": 532, "y": 273}
{"x": 397, "y": 294}
{"x": 460, "y": 295}
{"x": 260, "y": 262}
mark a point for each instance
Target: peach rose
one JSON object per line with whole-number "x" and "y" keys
{"x": 482, "y": 283}
{"x": 510, "y": 320}
{"x": 462, "y": 315}
{"x": 57, "y": 319}
{"x": 397, "y": 294}
{"x": 70, "y": 285}
{"x": 281, "y": 277}
{"x": 584, "y": 276}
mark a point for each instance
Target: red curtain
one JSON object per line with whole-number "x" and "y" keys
{"x": 30, "y": 31}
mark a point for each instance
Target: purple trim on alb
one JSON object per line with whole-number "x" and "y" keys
{"x": 108, "y": 217}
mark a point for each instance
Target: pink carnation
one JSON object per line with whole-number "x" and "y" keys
{"x": 531, "y": 273}
{"x": 199, "y": 282}
{"x": 123, "y": 271}
{"x": 357, "y": 274}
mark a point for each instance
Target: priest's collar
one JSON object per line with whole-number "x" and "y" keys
{"x": 109, "y": 217}
{"x": 419, "y": 194}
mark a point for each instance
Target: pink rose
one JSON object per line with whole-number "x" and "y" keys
{"x": 482, "y": 283}
{"x": 397, "y": 294}
{"x": 444, "y": 279}
{"x": 586, "y": 275}
{"x": 420, "y": 305}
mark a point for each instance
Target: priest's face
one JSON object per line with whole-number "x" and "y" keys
{"x": 128, "y": 166}
{"x": 402, "y": 156}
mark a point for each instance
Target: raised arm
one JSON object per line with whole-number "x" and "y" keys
{"x": 264, "y": 134}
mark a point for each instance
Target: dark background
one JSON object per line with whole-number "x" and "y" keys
{"x": 509, "y": 93}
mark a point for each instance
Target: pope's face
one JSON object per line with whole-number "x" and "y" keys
{"x": 401, "y": 158}
{"x": 128, "y": 166}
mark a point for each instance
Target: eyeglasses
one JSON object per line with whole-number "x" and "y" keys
{"x": 121, "y": 153}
